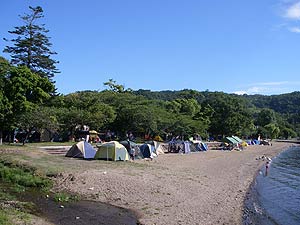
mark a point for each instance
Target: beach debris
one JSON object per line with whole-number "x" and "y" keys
{"x": 77, "y": 217}
{"x": 104, "y": 172}
{"x": 91, "y": 188}
{"x": 61, "y": 206}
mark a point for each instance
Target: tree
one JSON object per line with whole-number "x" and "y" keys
{"x": 4, "y": 106}
{"x": 83, "y": 108}
{"x": 265, "y": 116}
{"x": 229, "y": 114}
{"x": 272, "y": 129}
{"x": 31, "y": 47}
{"x": 113, "y": 86}
{"x": 21, "y": 91}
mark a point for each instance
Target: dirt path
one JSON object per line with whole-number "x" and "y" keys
{"x": 198, "y": 188}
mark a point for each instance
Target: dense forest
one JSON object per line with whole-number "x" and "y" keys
{"x": 165, "y": 113}
{"x": 30, "y": 103}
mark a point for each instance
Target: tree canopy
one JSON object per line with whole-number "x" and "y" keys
{"x": 31, "y": 47}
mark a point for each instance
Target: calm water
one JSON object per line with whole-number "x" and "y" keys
{"x": 276, "y": 197}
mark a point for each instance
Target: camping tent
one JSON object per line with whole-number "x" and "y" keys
{"x": 147, "y": 150}
{"x": 128, "y": 144}
{"x": 112, "y": 150}
{"x": 230, "y": 140}
{"x": 237, "y": 139}
{"x": 81, "y": 150}
{"x": 158, "y": 148}
{"x": 197, "y": 145}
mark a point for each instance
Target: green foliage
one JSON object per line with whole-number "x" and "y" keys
{"x": 113, "y": 86}
{"x": 40, "y": 118}
{"x": 229, "y": 114}
{"x": 22, "y": 91}
{"x": 287, "y": 133}
{"x": 4, "y": 218}
{"x": 65, "y": 197}
{"x": 185, "y": 113}
{"x": 265, "y": 116}
{"x": 272, "y": 130}
{"x": 31, "y": 46}
{"x": 85, "y": 108}
{"x": 22, "y": 177}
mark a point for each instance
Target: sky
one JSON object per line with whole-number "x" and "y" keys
{"x": 233, "y": 46}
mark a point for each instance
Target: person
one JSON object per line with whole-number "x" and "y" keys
{"x": 267, "y": 167}
{"x": 132, "y": 153}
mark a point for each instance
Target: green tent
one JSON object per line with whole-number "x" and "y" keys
{"x": 113, "y": 151}
{"x": 237, "y": 139}
{"x": 230, "y": 140}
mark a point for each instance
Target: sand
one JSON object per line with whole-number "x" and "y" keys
{"x": 197, "y": 188}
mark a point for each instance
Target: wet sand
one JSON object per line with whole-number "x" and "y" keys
{"x": 198, "y": 188}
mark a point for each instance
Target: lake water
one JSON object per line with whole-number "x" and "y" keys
{"x": 275, "y": 197}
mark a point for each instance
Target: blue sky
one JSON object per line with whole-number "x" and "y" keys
{"x": 232, "y": 46}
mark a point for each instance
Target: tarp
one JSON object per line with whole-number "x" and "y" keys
{"x": 81, "y": 150}
{"x": 187, "y": 148}
{"x": 237, "y": 139}
{"x": 230, "y": 140}
{"x": 112, "y": 150}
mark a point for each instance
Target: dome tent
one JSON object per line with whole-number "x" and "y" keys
{"x": 147, "y": 151}
{"x": 112, "y": 150}
{"x": 81, "y": 150}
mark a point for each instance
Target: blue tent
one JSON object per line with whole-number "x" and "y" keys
{"x": 82, "y": 150}
{"x": 147, "y": 150}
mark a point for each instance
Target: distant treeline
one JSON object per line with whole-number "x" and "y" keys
{"x": 27, "y": 102}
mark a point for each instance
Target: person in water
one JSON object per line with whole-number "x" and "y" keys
{"x": 267, "y": 167}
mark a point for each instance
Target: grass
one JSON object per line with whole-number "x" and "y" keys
{"x": 65, "y": 197}
{"x": 4, "y": 218}
{"x": 14, "y": 179}
{"x": 22, "y": 176}
{"x": 12, "y": 216}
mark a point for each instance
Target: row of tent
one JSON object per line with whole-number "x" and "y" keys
{"x": 234, "y": 140}
{"x": 178, "y": 146}
{"x": 119, "y": 151}
{"x": 114, "y": 151}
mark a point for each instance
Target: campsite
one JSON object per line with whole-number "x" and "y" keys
{"x": 144, "y": 112}
{"x": 158, "y": 191}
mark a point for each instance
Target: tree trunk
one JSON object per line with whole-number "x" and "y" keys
{"x": 1, "y": 137}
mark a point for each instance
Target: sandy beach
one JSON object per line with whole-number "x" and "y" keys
{"x": 197, "y": 188}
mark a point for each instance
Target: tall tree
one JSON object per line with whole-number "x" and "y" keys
{"x": 31, "y": 47}
{"x": 20, "y": 92}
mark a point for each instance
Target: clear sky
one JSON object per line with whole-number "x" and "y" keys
{"x": 234, "y": 46}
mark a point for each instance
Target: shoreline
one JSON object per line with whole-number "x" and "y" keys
{"x": 253, "y": 213}
{"x": 198, "y": 188}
